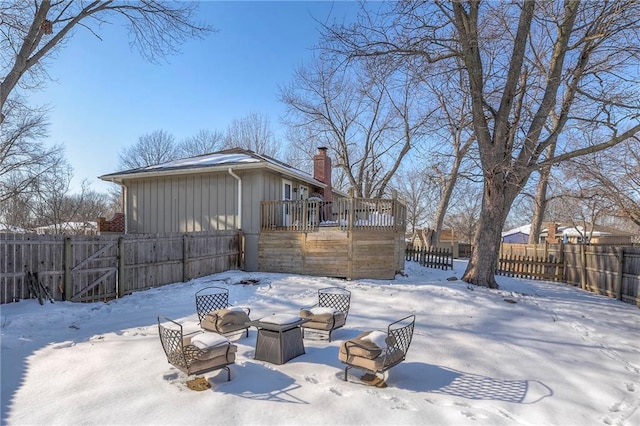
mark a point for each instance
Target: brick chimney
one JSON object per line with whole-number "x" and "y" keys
{"x": 322, "y": 171}
{"x": 552, "y": 230}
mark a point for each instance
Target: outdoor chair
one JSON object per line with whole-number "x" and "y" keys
{"x": 331, "y": 311}
{"x": 375, "y": 352}
{"x": 195, "y": 353}
{"x": 215, "y": 314}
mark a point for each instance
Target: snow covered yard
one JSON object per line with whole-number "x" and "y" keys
{"x": 530, "y": 353}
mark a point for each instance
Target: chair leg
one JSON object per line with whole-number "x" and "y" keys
{"x": 345, "y": 373}
{"x": 228, "y": 373}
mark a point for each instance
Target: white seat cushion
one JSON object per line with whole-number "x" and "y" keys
{"x": 208, "y": 340}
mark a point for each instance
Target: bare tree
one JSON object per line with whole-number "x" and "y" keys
{"x": 203, "y": 142}
{"x": 31, "y": 31}
{"x": 463, "y": 215}
{"x": 23, "y": 158}
{"x": 414, "y": 185}
{"x": 454, "y": 137}
{"x": 368, "y": 117}
{"x": 534, "y": 69}
{"x": 608, "y": 181}
{"x": 152, "y": 148}
{"x": 252, "y": 132}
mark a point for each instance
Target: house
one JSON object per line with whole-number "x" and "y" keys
{"x": 218, "y": 191}
{"x": 10, "y": 229}
{"x": 519, "y": 235}
{"x": 593, "y": 234}
{"x": 568, "y": 233}
{"x": 71, "y": 228}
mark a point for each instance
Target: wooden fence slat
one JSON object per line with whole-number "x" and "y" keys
{"x": 99, "y": 267}
{"x": 432, "y": 257}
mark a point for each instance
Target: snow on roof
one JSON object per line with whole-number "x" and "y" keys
{"x": 524, "y": 229}
{"x": 204, "y": 160}
{"x": 70, "y": 226}
{"x": 12, "y": 229}
{"x": 230, "y": 157}
{"x": 579, "y": 231}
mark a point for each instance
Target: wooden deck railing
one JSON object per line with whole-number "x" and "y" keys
{"x": 344, "y": 213}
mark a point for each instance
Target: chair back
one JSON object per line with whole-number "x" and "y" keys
{"x": 338, "y": 298}
{"x": 401, "y": 333}
{"x": 210, "y": 299}
{"x": 171, "y": 339}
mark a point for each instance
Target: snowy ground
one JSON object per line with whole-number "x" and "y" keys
{"x": 558, "y": 356}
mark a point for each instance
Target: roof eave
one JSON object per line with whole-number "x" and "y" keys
{"x": 119, "y": 178}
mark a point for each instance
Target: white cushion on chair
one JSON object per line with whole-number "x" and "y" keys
{"x": 319, "y": 310}
{"x": 379, "y": 338}
{"x": 208, "y": 340}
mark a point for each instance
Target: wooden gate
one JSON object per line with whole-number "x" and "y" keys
{"x": 91, "y": 269}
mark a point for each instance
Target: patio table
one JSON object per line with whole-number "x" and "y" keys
{"x": 279, "y": 338}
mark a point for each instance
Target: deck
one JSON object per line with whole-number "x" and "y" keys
{"x": 348, "y": 238}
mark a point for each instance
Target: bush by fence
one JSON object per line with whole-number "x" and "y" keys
{"x": 431, "y": 257}
{"x": 89, "y": 268}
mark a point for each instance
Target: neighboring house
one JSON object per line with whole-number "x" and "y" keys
{"x": 12, "y": 229}
{"x": 217, "y": 191}
{"x": 75, "y": 228}
{"x": 577, "y": 234}
{"x": 553, "y": 232}
{"x": 519, "y": 235}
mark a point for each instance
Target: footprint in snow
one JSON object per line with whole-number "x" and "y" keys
{"x": 335, "y": 391}
{"x": 65, "y": 345}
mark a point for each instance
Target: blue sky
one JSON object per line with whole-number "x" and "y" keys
{"x": 104, "y": 95}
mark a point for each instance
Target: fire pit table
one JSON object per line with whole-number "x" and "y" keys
{"x": 279, "y": 338}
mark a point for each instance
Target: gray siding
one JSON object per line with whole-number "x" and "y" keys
{"x": 203, "y": 202}
{"x": 190, "y": 203}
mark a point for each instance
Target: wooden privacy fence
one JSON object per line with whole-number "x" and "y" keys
{"x": 464, "y": 250}
{"x": 431, "y": 257}
{"x": 537, "y": 268}
{"x": 603, "y": 269}
{"x": 88, "y": 268}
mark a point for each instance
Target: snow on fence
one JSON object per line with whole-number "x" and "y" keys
{"x": 431, "y": 257}
{"x": 89, "y": 268}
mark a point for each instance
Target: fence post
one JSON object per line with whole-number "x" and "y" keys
{"x": 120, "y": 271}
{"x": 185, "y": 258}
{"x": 583, "y": 260}
{"x": 68, "y": 258}
{"x": 619, "y": 276}
{"x": 562, "y": 262}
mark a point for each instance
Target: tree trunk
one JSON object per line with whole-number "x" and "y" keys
{"x": 540, "y": 206}
{"x": 496, "y": 202}
{"x": 446, "y": 196}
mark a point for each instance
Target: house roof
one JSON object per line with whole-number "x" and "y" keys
{"x": 569, "y": 230}
{"x": 594, "y": 231}
{"x": 524, "y": 229}
{"x": 69, "y": 226}
{"x": 12, "y": 229}
{"x": 234, "y": 159}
